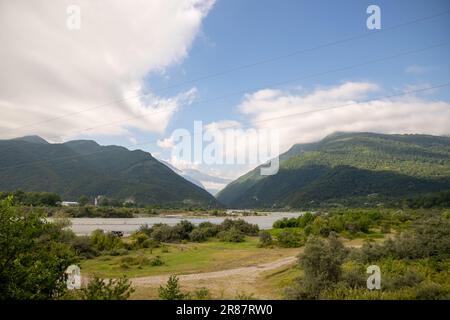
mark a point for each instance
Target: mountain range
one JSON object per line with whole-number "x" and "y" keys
{"x": 350, "y": 169}
{"x": 83, "y": 167}
{"x": 347, "y": 169}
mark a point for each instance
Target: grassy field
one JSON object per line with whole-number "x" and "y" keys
{"x": 185, "y": 258}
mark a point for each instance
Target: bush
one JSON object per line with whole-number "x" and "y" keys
{"x": 198, "y": 235}
{"x": 322, "y": 264}
{"x": 171, "y": 291}
{"x": 84, "y": 248}
{"x": 100, "y": 289}
{"x": 165, "y": 233}
{"x": 265, "y": 239}
{"x": 210, "y": 229}
{"x": 201, "y": 294}
{"x": 102, "y": 241}
{"x": 428, "y": 290}
{"x": 156, "y": 261}
{"x": 289, "y": 239}
{"x": 232, "y": 235}
{"x": 33, "y": 258}
{"x": 240, "y": 225}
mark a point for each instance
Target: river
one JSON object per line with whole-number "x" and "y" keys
{"x": 84, "y": 226}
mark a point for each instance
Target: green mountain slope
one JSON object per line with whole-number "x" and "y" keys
{"x": 348, "y": 168}
{"x": 83, "y": 167}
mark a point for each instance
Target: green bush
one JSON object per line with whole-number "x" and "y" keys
{"x": 84, "y": 248}
{"x": 112, "y": 289}
{"x": 34, "y": 255}
{"x": 201, "y": 294}
{"x": 240, "y": 225}
{"x": 172, "y": 290}
{"x": 103, "y": 241}
{"x": 289, "y": 239}
{"x": 231, "y": 235}
{"x": 198, "y": 235}
{"x": 156, "y": 261}
{"x": 265, "y": 239}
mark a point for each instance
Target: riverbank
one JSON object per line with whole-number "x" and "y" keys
{"x": 85, "y": 226}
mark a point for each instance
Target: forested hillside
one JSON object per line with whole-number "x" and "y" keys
{"x": 83, "y": 167}
{"x": 349, "y": 169}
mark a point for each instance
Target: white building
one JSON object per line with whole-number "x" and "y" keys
{"x": 69, "y": 203}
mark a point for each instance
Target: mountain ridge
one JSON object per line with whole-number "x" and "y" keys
{"x": 83, "y": 167}
{"x": 330, "y": 171}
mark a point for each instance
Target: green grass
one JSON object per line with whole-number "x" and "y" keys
{"x": 185, "y": 258}
{"x": 274, "y": 282}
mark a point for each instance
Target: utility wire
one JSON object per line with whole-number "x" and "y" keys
{"x": 263, "y": 120}
{"x": 244, "y": 66}
{"x": 275, "y": 84}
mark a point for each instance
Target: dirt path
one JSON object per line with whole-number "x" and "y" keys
{"x": 248, "y": 273}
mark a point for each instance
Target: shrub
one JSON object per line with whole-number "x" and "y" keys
{"x": 201, "y": 294}
{"x": 100, "y": 289}
{"x": 241, "y": 225}
{"x": 265, "y": 239}
{"x": 428, "y": 290}
{"x": 139, "y": 238}
{"x": 171, "y": 291}
{"x": 156, "y": 261}
{"x": 102, "y": 241}
{"x": 163, "y": 233}
{"x": 198, "y": 235}
{"x": 83, "y": 247}
{"x": 289, "y": 239}
{"x": 33, "y": 258}
{"x": 321, "y": 261}
{"x": 210, "y": 229}
{"x": 232, "y": 235}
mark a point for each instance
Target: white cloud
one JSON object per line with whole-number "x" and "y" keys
{"x": 182, "y": 164}
{"x": 416, "y": 70}
{"x": 403, "y": 114}
{"x": 49, "y": 71}
{"x": 166, "y": 143}
{"x": 297, "y": 118}
{"x": 133, "y": 140}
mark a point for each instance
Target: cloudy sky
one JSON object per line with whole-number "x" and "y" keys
{"x": 134, "y": 73}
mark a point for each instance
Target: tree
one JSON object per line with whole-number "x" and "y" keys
{"x": 112, "y": 289}
{"x": 33, "y": 255}
{"x": 171, "y": 291}
{"x": 321, "y": 261}
{"x": 83, "y": 200}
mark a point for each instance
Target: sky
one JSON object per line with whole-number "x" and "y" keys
{"x": 135, "y": 73}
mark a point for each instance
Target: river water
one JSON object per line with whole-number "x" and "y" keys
{"x": 84, "y": 226}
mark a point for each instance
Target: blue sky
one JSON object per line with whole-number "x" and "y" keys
{"x": 172, "y": 43}
{"x": 238, "y": 33}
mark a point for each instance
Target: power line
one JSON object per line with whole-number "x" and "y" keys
{"x": 275, "y": 84}
{"x": 245, "y": 66}
{"x": 263, "y": 120}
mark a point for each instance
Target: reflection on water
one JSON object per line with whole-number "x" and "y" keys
{"x": 84, "y": 226}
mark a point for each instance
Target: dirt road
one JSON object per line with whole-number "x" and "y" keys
{"x": 248, "y": 273}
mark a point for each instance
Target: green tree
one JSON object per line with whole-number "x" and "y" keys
{"x": 112, "y": 289}
{"x": 171, "y": 291}
{"x": 83, "y": 200}
{"x": 33, "y": 255}
{"x": 321, "y": 261}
